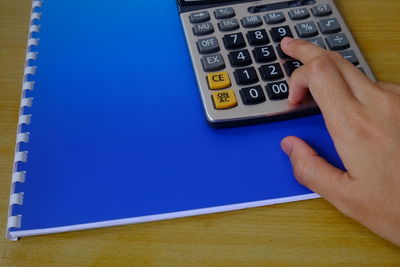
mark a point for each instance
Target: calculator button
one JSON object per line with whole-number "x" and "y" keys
{"x": 306, "y": 29}
{"x": 278, "y": 90}
{"x": 259, "y": 37}
{"x": 264, "y": 54}
{"x": 233, "y": 41}
{"x": 282, "y": 54}
{"x": 203, "y": 29}
{"x": 317, "y": 41}
{"x": 240, "y": 58}
{"x": 322, "y": 10}
{"x": 338, "y": 41}
{"x": 224, "y": 13}
{"x": 218, "y": 80}
{"x": 350, "y": 56}
{"x": 246, "y": 76}
{"x": 252, "y": 95}
{"x": 252, "y": 21}
{"x": 213, "y": 62}
{"x": 208, "y": 45}
{"x": 271, "y": 72}
{"x": 291, "y": 66}
{"x": 274, "y": 18}
{"x": 279, "y": 33}
{"x": 199, "y": 17}
{"x": 299, "y": 13}
{"x": 329, "y": 26}
{"x": 224, "y": 99}
{"x": 228, "y": 25}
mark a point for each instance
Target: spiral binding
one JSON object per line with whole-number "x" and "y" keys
{"x": 17, "y": 198}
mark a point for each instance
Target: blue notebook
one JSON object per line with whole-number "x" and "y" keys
{"x": 112, "y": 129}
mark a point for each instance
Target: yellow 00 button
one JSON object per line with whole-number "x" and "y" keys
{"x": 224, "y": 99}
{"x": 218, "y": 80}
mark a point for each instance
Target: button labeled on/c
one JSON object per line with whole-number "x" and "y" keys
{"x": 224, "y": 99}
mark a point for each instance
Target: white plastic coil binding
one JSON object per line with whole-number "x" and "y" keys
{"x": 17, "y": 198}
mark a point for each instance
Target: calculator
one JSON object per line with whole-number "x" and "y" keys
{"x": 241, "y": 71}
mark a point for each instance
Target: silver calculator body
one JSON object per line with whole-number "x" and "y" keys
{"x": 242, "y": 73}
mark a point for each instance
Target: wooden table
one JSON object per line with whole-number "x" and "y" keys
{"x": 310, "y": 232}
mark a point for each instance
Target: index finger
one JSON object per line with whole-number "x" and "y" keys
{"x": 360, "y": 85}
{"x": 303, "y": 50}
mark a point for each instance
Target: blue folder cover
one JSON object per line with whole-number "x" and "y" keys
{"x": 117, "y": 132}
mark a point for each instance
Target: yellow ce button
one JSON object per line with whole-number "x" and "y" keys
{"x": 218, "y": 80}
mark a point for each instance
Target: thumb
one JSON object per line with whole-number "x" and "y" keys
{"x": 313, "y": 171}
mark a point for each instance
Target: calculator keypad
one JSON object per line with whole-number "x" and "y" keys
{"x": 213, "y": 62}
{"x": 246, "y": 76}
{"x": 241, "y": 69}
{"x": 228, "y": 25}
{"x": 203, "y": 28}
{"x": 240, "y": 58}
{"x": 208, "y": 45}
{"x": 218, "y": 80}
{"x": 278, "y": 33}
{"x": 258, "y": 37}
{"x": 274, "y": 18}
{"x": 251, "y": 21}
{"x": 234, "y": 41}
{"x": 299, "y": 13}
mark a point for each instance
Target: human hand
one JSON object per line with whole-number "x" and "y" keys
{"x": 363, "y": 119}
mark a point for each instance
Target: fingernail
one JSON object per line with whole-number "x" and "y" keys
{"x": 288, "y": 40}
{"x": 286, "y": 146}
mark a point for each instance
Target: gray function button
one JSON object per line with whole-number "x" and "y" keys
{"x": 203, "y": 29}
{"x": 224, "y": 13}
{"x": 274, "y": 18}
{"x": 213, "y": 62}
{"x": 208, "y": 45}
{"x": 228, "y": 25}
{"x": 306, "y": 29}
{"x": 199, "y": 17}
{"x": 252, "y": 21}
{"x": 329, "y": 26}
{"x": 318, "y": 41}
{"x": 299, "y": 13}
{"x": 338, "y": 42}
{"x": 350, "y": 56}
{"x": 322, "y": 10}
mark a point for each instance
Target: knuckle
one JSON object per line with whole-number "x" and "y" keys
{"x": 300, "y": 171}
{"x": 319, "y": 64}
{"x": 356, "y": 119}
{"x": 390, "y": 102}
{"x": 335, "y": 56}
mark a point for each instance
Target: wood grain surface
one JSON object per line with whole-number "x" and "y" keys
{"x": 308, "y": 232}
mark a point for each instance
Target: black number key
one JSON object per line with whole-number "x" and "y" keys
{"x": 291, "y": 66}
{"x": 233, "y": 41}
{"x": 278, "y": 90}
{"x": 246, "y": 76}
{"x": 252, "y": 95}
{"x": 278, "y": 33}
{"x": 271, "y": 72}
{"x": 258, "y": 37}
{"x": 264, "y": 54}
{"x": 240, "y": 58}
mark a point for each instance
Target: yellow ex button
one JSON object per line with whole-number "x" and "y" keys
{"x": 218, "y": 80}
{"x": 224, "y": 99}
